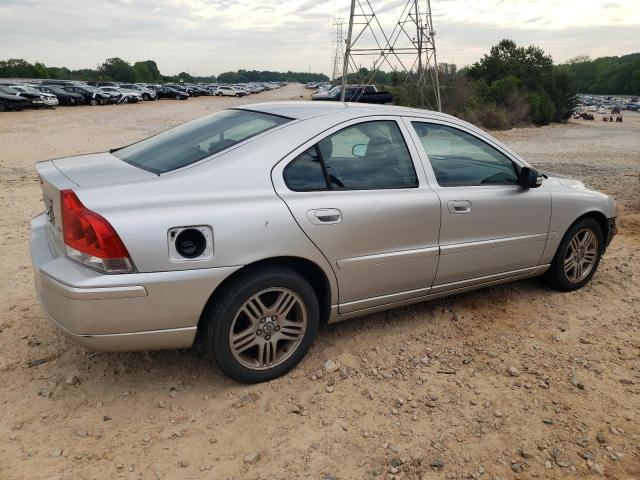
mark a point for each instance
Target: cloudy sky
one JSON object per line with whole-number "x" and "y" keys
{"x": 212, "y": 36}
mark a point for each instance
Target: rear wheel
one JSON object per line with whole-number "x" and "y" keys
{"x": 93, "y": 101}
{"x": 262, "y": 325}
{"x": 578, "y": 256}
{"x": 3, "y": 106}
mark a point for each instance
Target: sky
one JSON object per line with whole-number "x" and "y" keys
{"x": 207, "y": 37}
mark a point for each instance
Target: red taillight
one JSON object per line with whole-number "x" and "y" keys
{"x": 89, "y": 238}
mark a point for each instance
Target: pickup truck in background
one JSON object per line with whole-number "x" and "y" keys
{"x": 355, "y": 93}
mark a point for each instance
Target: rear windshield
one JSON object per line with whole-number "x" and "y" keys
{"x": 196, "y": 140}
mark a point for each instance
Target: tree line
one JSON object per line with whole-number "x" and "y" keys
{"x": 607, "y": 75}
{"x": 119, "y": 70}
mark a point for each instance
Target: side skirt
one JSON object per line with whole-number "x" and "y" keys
{"x": 437, "y": 291}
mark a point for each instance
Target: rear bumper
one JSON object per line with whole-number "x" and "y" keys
{"x": 123, "y": 312}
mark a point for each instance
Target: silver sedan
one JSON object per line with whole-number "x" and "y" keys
{"x": 247, "y": 229}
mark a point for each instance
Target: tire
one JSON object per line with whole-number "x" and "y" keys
{"x": 584, "y": 239}
{"x": 178, "y": 97}
{"x": 146, "y": 97}
{"x": 93, "y": 102}
{"x": 3, "y": 106}
{"x": 227, "y": 315}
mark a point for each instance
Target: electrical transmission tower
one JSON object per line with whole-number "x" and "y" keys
{"x": 409, "y": 49}
{"x": 338, "y": 48}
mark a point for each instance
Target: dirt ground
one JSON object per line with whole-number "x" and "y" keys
{"x": 516, "y": 381}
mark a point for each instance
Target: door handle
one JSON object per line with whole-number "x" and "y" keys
{"x": 459, "y": 206}
{"x": 325, "y": 216}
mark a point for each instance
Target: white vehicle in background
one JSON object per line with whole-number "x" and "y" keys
{"x": 243, "y": 89}
{"x": 121, "y": 96}
{"x": 602, "y": 109}
{"x": 146, "y": 93}
{"x": 324, "y": 87}
{"x": 229, "y": 91}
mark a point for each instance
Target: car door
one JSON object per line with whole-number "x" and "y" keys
{"x": 491, "y": 226}
{"x": 357, "y": 194}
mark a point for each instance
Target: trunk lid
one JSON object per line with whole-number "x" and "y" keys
{"x": 84, "y": 171}
{"x": 99, "y": 169}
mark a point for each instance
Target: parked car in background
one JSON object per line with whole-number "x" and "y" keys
{"x": 104, "y": 83}
{"x": 120, "y": 96}
{"x": 169, "y": 92}
{"x": 149, "y": 86}
{"x": 147, "y": 93}
{"x": 49, "y": 99}
{"x": 35, "y": 100}
{"x": 199, "y": 89}
{"x": 229, "y": 91}
{"x": 182, "y": 88}
{"x": 249, "y": 228}
{"x": 64, "y": 97}
{"x": 12, "y": 101}
{"x": 61, "y": 82}
{"x": 324, "y": 87}
{"x": 355, "y": 93}
{"x": 91, "y": 95}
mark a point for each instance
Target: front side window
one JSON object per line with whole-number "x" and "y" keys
{"x": 461, "y": 159}
{"x": 368, "y": 155}
{"x": 196, "y": 140}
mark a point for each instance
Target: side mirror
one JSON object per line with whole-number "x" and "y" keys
{"x": 530, "y": 178}
{"x": 359, "y": 150}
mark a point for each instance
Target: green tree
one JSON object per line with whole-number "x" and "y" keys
{"x": 116, "y": 69}
{"x": 40, "y": 70}
{"x": 146, "y": 71}
{"x": 17, "y": 68}
{"x": 607, "y": 75}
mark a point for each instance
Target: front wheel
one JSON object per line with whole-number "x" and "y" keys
{"x": 578, "y": 256}
{"x": 262, "y": 325}
{"x": 93, "y": 101}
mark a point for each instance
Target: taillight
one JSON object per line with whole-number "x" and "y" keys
{"x": 90, "y": 239}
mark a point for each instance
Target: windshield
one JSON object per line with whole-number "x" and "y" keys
{"x": 335, "y": 90}
{"x": 196, "y": 140}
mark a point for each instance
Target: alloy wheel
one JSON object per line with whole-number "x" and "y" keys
{"x": 268, "y": 328}
{"x": 581, "y": 255}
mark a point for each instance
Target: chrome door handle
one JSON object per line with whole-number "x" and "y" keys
{"x": 324, "y": 216}
{"x": 459, "y": 206}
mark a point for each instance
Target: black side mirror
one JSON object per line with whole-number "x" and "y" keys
{"x": 530, "y": 178}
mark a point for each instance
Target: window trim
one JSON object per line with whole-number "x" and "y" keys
{"x": 515, "y": 164}
{"x": 329, "y": 187}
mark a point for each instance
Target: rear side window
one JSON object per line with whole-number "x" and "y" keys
{"x": 461, "y": 159}
{"x": 196, "y": 140}
{"x": 369, "y": 155}
{"x": 306, "y": 172}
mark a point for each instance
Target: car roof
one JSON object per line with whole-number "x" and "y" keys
{"x": 302, "y": 110}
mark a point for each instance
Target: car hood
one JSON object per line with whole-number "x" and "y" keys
{"x": 566, "y": 181}
{"x": 99, "y": 169}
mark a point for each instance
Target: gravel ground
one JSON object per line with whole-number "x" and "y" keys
{"x": 515, "y": 381}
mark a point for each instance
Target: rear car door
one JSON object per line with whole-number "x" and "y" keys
{"x": 358, "y": 195}
{"x": 491, "y": 226}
